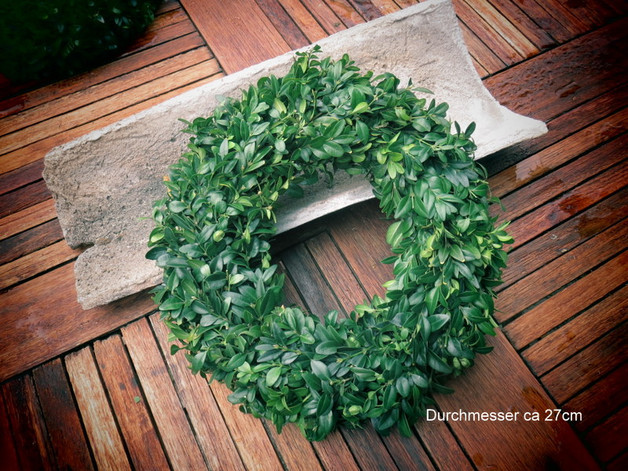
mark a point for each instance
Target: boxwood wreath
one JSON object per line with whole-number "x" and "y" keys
{"x": 221, "y": 294}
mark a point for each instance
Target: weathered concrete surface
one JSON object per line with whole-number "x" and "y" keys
{"x": 104, "y": 183}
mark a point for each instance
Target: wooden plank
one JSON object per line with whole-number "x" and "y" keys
{"x": 26, "y": 218}
{"x": 63, "y": 423}
{"x": 23, "y": 198}
{"x": 129, "y": 406}
{"x": 522, "y": 444}
{"x": 7, "y": 446}
{"x": 560, "y": 127}
{"x": 325, "y": 16}
{"x": 30, "y": 240}
{"x": 559, "y": 153}
{"x": 487, "y": 33}
{"x": 620, "y": 463}
{"x": 527, "y": 443}
{"x": 366, "y": 9}
{"x": 175, "y": 431}
{"x": 304, "y": 20}
{"x": 346, "y": 12}
{"x": 562, "y": 179}
{"x": 576, "y": 24}
{"x": 599, "y": 400}
{"x": 100, "y": 425}
{"x": 117, "y": 68}
{"x": 41, "y": 319}
{"x": 442, "y": 445}
{"x": 502, "y": 25}
{"x": 312, "y": 287}
{"x": 203, "y": 412}
{"x": 35, "y": 263}
{"x": 282, "y": 22}
{"x": 568, "y": 204}
{"x": 546, "y": 22}
{"x": 238, "y": 41}
{"x": 598, "y": 56}
{"x": 97, "y": 93}
{"x": 608, "y": 439}
{"x": 480, "y": 52}
{"x": 511, "y": 10}
{"x": 587, "y": 366}
{"x": 569, "y": 266}
{"x": 27, "y": 425}
{"x": 106, "y": 106}
{"x": 539, "y": 320}
{"x": 296, "y": 453}
{"x": 578, "y": 333}
{"x": 33, "y": 152}
{"x": 247, "y": 432}
{"x": 20, "y": 177}
{"x": 564, "y": 237}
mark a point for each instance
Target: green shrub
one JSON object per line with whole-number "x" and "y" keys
{"x": 52, "y": 39}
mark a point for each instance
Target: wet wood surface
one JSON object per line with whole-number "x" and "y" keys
{"x": 99, "y": 389}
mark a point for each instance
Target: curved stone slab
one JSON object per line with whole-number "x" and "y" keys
{"x": 104, "y": 182}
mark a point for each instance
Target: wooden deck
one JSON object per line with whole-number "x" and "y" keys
{"x": 99, "y": 389}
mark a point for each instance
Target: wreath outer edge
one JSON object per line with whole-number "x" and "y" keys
{"x": 221, "y": 294}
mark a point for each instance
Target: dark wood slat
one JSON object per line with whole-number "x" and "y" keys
{"x": 511, "y": 10}
{"x": 100, "y": 425}
{"x": 487, "y": 33}
{"x": 561, "y": 180}
{"x": 529, "y": 444}
{"x": 27, "y": 425}
{"x": 209, "y": 427}
{"x": 129, "y": 407}
{"x": 283, "y": 23}
{"x": 601, "y": 63}
{"x": 100, "y": 75}
{"x": 32, "y": 313}
{"x": 608, "y": 439}
{"x": 564, "y": 237}
{"x": 7, "y": 446}
{"x": 20, "y": 177}
{"x": 561, "y": 271}
{"x": 106, "y": 106}
{"x": 23, "y": 198}
{"x": 325, "y": 16}
{"x": 601, "y": 399}
{"x": 63, "y": 423}
{"x": 294, "y": 450}
{"x": 97, "y": 93}
{"x": 29, "y": 241}
{"x": 592, "y": 363}
{"x": 346, "y": 12}
{"x": 480, "y": 52}
{"x": 247, "y": 432}
{"x": 559, "y": 153}
{"x": 577, "y": 334}
{"x": 549, "y": 314}
{"x": 305, "y": 21}
{"x": 546, "y": 22}
{"x": 237, "y": 41}
{"x": 177, "y": 436}
{"x": 504, "y": 27}
{"x": 568, "y": 205}
{"x": 441, "y": 443}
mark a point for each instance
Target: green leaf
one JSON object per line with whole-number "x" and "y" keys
{"x": 272, "y": 376}
{"x": 320, "y": 370}
{"x": 177, "y": 206}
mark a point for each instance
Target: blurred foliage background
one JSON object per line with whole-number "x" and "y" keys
{"x": 53, "y": 39}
